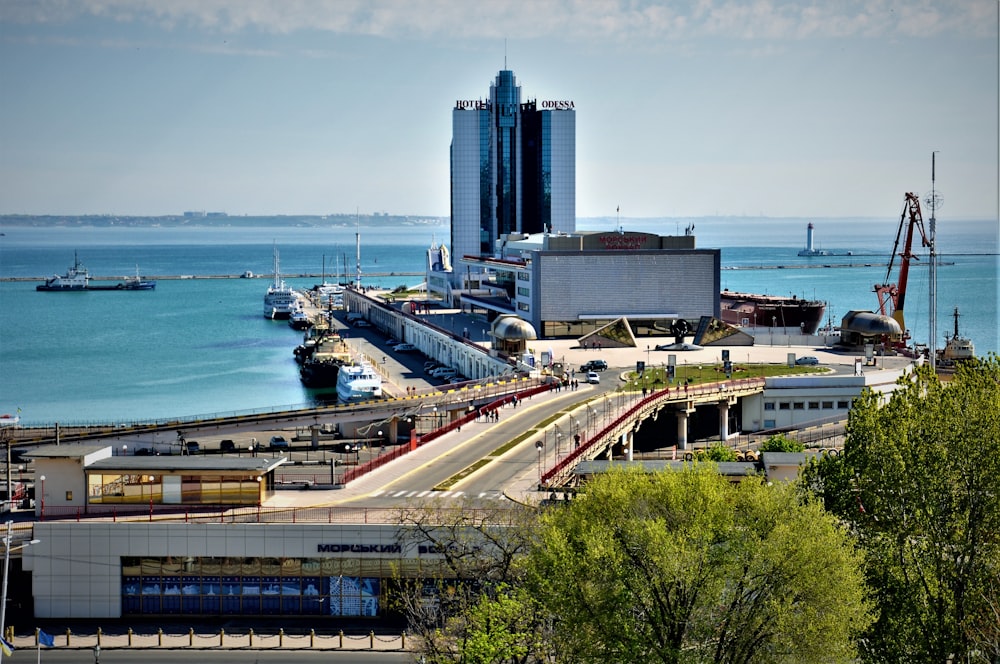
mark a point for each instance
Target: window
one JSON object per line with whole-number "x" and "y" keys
{"x": 798, "y": 405}
{"x": 784, "y": 406}
{"x": 827, "y": 404}
{"x": 523, "y": 306}
{"x": 813, "y": 405}
{"x": 768, "y": 405}
{"x": 843, "y": 405}
{"x": 521, "y": 290}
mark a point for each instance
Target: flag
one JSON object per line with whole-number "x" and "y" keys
{"x": 46, "y": 639}
{"x": 6, "y": 646}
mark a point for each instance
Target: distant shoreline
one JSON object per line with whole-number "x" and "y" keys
{"x": 185, "y": 277}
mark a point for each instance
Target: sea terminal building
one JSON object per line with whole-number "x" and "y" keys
{"x": 212, "y": 552}
{"x": 570, "y": 284}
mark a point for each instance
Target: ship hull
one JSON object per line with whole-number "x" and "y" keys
{"x": 752, "y": 310}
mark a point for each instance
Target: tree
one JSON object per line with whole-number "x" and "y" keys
{"x": 685, "y": 567}
{"x": 919, "y": 483}
{"x": 466, "y": 603}
{"x": 781, "y": 443}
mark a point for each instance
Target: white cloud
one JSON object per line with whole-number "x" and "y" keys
{"x": 615, "y": 20}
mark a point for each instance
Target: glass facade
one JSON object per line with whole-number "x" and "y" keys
{"x": 106, "y": 488}
{"x": 254, "y": 586}
{"x": 513, "y": 169}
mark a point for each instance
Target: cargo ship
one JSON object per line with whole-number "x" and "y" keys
{"x": 753, "y": 310}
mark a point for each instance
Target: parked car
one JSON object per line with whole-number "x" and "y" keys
{"x": 594, "y": 365}
{"x": 192, "y": 446}
{"x": 405, "y": 348}
{"x": 392, "y": 342}
{"x": 227, "y": 445}
{"x": 278, "y": 443}
{"x": 593, "y": 377}
{"x": 345, "y": 448}
{"x": 430, "y": 365}
{"x": 362, "y": 323}
{"x": 807, "y": 360}
{"x": 443, "y": 372}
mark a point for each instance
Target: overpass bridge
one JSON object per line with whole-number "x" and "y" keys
{"x": 624, "y": 418}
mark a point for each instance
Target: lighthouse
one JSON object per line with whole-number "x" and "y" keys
{"x": 810, "y": 250}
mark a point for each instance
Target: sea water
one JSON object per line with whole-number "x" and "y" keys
{"x": 199, "y": 346}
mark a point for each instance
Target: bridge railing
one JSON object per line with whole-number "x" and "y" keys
{"x": 636, "y": 411}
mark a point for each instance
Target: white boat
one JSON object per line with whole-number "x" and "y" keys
{"x": 280, "y": 300}
{"x": 77, "y": 278}
{"x": 358, "y": 382}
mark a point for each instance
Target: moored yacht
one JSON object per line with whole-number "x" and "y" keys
{"x": 280, "y": 300}
{"x": 358, "y": 382}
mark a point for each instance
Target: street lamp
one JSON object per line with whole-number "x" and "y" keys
{"x": 6, "y": 567}
{"x": 539, "y": 445}
{"x": 42, "y": 480}
{"x": 124, "y": 450}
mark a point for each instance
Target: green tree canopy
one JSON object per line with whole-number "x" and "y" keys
{"x": 686, "y": 567}
{"x": 919, "y": 482}
{"x": 781, "y": 443}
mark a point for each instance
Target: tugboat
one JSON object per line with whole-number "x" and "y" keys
{"x": 957, "y": 348}
{"x": 323, "y": 365}
{"x": 77, "y": 278}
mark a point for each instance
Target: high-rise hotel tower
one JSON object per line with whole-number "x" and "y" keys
{"x": 513, "y": 170}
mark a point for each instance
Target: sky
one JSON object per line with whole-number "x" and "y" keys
{"x": 798, "y": 108}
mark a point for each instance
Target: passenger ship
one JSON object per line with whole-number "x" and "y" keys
{"x": 280, "y": 300}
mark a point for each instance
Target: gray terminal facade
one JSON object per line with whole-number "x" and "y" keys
{"x": 569, "y": 284}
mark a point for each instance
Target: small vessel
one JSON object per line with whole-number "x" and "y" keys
{"x": 957, "y": 348}
{"x": 280, "y": 300}
{"x": 753, "y": 310}
{"x": 300, "y": 320}
{"x": 137, "y": 282}
{"x": 322, "y": 367}
{"x": 77, "y": 278}
{"x": 358, "y": 382}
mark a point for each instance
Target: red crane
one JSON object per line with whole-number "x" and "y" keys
{"x": 891, "y": 293}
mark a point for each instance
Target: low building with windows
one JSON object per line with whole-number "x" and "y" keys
{"x": 571, "y": 284}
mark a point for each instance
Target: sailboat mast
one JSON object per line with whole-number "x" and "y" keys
{"x": 357, "y": 250}
{"x": 932, "y": 317}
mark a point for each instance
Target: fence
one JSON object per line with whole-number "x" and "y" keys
{"x": 221, "y": 640}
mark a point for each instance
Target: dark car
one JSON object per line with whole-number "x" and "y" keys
{"x": 594, "y": 365}
{"x": 192, "y": 446}
{"x": 227, "y": 445}
{"x": 278, "y": 443}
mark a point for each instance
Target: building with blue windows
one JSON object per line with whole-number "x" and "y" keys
{"x": 513, "y": 170}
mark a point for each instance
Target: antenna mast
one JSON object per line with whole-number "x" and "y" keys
{"x": 932, "y": 202}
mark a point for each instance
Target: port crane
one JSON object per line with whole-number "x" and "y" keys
{"x": 891, "y": 297}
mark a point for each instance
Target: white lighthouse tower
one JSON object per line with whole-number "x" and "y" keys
{"x": 810, "y": 250}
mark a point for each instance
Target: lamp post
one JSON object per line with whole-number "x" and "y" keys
{"x": 124, "y": 450}
{"x": 42, "y": 480}
{"x": 6, "y": 568}
{"x": 539, "y": 445}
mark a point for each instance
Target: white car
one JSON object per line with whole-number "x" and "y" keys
{"x": 443, "y": 372}
{"x": 405, "y": 348}
{"x": 593, "y": 377}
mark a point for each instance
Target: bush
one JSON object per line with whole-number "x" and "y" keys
{"x": 719, "y": 452}
{"x": 781, "y": 443}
